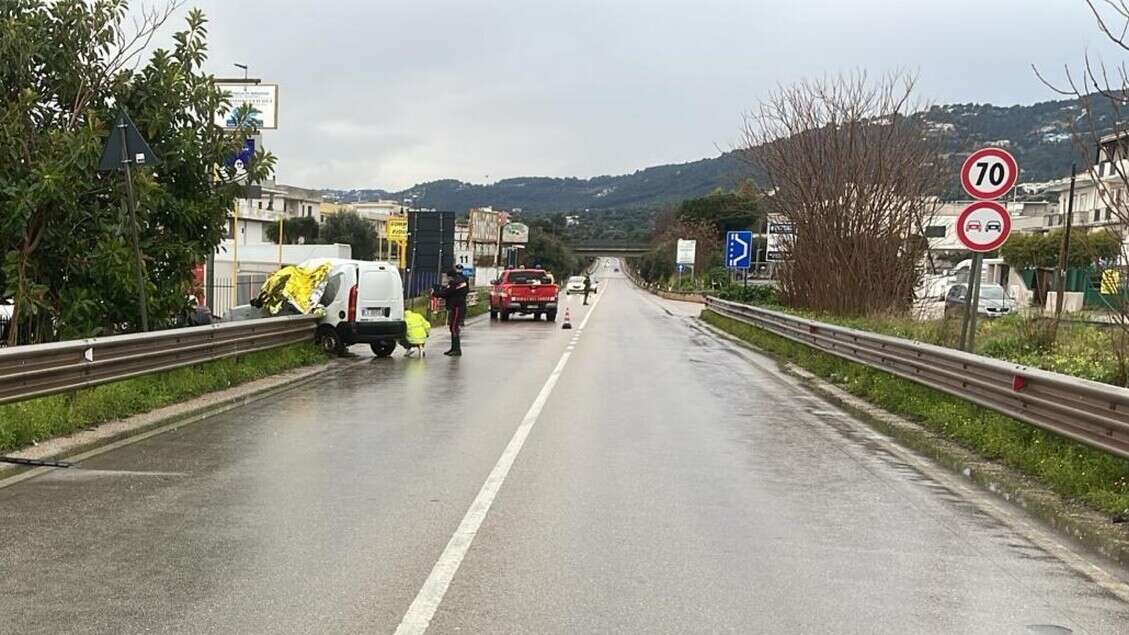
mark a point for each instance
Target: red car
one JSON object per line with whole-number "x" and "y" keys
{"x": 524, "y": 292}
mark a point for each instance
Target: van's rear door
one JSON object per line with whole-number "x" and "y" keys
{"x": 379, "y": 294}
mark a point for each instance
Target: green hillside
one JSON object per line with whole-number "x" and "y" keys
{"x": 1038, "y": 135}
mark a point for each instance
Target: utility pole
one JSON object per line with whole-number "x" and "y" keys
{"x": 1064, "y": 249}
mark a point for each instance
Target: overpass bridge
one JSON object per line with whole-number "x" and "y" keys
{"x": 609, "y": 248}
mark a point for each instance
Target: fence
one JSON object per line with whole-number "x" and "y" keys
{"x": 37, "y": 370}
{"x": 247, "y": 287}
{"x": 1086, "y": 411}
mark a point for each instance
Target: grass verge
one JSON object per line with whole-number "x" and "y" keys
{"x": 27, "y": 422}
{"x": 1098, "y": 480}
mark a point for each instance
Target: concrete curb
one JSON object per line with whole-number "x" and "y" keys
{"x": 1073, "y": 520}
{"x": 115, "y": 434}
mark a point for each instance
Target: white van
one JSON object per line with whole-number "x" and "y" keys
{"x": 364, "y": 304}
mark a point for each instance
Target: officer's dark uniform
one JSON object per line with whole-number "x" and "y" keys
{"x": 455, "y": 296}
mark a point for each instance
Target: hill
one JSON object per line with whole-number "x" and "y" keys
{"x": 1038, "y": 135}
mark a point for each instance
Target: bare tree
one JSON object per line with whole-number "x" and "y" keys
{"x": 856, "y": 177}
{"x": 1101, "y": 138}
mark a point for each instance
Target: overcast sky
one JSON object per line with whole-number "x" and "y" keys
{"x": 377, "y": 93}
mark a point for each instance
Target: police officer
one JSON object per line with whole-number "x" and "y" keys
{"x": 455, "y": 296}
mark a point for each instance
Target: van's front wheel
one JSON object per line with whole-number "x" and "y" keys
{"x": 329, "y": 341}
{"x": 383, "y": 349}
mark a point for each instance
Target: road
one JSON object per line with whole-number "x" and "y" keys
{"x": 636, "y": 475}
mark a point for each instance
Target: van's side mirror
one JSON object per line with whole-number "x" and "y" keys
{"x": 495, "y": 281}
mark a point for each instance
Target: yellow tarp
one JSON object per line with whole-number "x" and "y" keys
{"x": 296, "y": 285}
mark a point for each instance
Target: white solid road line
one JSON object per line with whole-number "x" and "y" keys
{"x": 427, "y": 601}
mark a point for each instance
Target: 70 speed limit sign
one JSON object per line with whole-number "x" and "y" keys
{"x": 989, "y": 173}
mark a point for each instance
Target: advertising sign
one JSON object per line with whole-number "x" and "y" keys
{"x": 685, "y": 252}
{"x": 398, "y": 229}
{"x": 262, "y": 97}
{"x": 515, "y": 233}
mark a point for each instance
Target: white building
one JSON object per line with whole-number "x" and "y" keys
{"x": 278, "y": 202}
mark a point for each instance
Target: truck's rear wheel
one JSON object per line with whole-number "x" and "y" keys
{"x": 505, "y": 315}
{"x": 493, "y": 314}
{"x": 551, "y": 316}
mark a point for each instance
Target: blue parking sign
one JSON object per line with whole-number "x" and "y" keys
{"x": 739, "y": 249}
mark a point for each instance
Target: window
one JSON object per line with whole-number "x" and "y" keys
{"x": 260, "y": 205}
{"x": 1097, "y": 214}
{"x": 935, "y": 231}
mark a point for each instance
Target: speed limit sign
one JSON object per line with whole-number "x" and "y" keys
{"x": 989, "y": 173}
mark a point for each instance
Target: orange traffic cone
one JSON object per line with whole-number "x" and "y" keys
{"x": 567, "y": 321}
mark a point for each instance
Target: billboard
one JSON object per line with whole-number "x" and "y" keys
{"x": 685, "y": 252}
{"x": 262, "y": 97}
{"x": 515, "y": 233}
{"x": 431, "y": 249}
{"x": 397, "y": 228}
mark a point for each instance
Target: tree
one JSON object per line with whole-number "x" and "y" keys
{"x": 350, "y": 229}
{"x": 854, "y": 174}
{"x": 549, "y": 251}
{"x": 300, "y": 230}
{"x": 66, "y": 68}
{"x": 1087, "y": 249}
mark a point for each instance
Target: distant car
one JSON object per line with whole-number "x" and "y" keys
{"x": 574, "y": 284}
{"x": 993, "y": 226}
{"x": 994, "y": 301}
{"x": 616, "y": 270}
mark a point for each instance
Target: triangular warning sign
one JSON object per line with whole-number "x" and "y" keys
{"x": 137, "y": 151}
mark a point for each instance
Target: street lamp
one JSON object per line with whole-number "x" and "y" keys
{"x": 244, "y": 67}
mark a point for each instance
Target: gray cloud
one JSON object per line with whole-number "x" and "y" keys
{"x": 387, "y": 94}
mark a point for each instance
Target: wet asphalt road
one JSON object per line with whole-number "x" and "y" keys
{"x": 668, "y": 486}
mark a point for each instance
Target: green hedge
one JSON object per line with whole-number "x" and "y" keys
{"x": 1094, "y": 478}
{"x": 26, "y": 422}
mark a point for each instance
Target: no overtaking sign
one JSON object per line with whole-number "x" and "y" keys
{"x": 983, "y": 226}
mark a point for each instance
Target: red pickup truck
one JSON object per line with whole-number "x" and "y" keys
{"x": 524, "y": 292}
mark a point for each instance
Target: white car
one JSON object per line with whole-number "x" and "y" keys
{"x": 575, "y": 284}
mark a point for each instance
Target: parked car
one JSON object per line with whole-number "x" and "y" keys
{"x": 994, "y": 301}
{"x": 524, "y": 292}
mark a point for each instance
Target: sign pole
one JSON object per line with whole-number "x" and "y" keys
{"x": 281, "y": 233}
{"x": 235, "y": 255}
{"x": 974, "y": 300}
{"x": 131, "y": 206}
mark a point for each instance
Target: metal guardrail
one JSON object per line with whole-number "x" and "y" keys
{"x": 43, "y": 369}
{"x": 1086, "y": 411}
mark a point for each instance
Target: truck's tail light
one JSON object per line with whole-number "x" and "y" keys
{"x": 353, "y": 304}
